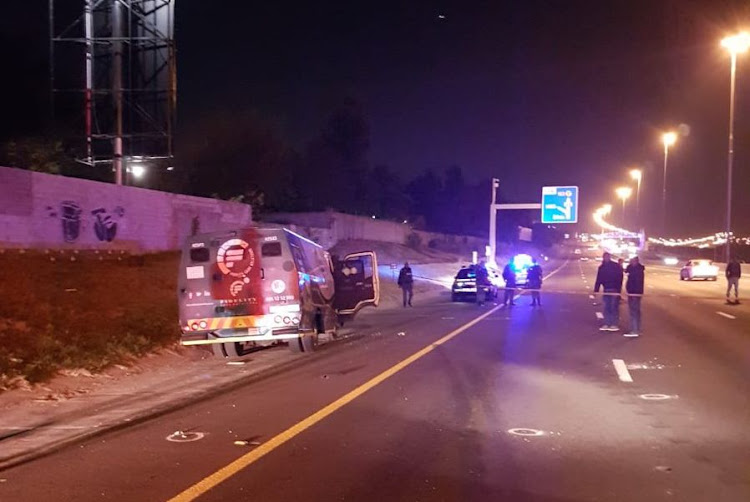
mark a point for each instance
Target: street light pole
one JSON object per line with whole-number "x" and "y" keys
{"x": 493, "y": 221}
{"x": 730, "y": 156}
{"x": 637, "y": 175}
{"x": 668, "y": 138}
{"x": 735, "y": 44}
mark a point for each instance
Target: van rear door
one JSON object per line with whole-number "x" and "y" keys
{"x": 357, "y": 282}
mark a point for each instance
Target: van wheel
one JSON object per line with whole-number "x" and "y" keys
{"x": 230, "y": 349}
{"x": 304, "y": 344}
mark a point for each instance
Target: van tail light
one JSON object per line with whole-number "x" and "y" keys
{"x": 204, "y": 324}
{"x": 194, "y": 326}
{"x": 277, "y": 319}
{"x": 287, "y": 320}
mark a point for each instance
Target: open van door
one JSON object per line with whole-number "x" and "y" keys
{"x": 356, "y": 281}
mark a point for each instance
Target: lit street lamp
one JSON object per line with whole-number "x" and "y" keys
{"x": 624, "y": 193}
{"x": 669, "y": 139}
{"x": 736, "y": 44}
{"x": 637, "y": 175}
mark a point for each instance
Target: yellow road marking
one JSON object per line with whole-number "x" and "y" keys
{"x": 249, "y": 458}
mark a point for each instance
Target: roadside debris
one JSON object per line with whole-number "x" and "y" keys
{"x": 246, "y": 442}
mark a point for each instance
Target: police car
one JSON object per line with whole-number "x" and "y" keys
{"x": 465, "y": 283}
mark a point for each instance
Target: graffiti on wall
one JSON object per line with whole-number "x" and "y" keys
{"x": 71, "y": 215}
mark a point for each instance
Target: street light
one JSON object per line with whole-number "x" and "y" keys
{"x": 669, "y": 139}
{"x": 736, "y": 44}
{"x": 637, "y": 175}
{"x": 623, "y": 193}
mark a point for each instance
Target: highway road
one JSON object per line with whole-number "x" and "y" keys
{"x": 457, "y": 402}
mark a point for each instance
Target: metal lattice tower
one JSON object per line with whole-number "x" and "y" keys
{"x": 115, "y": 61}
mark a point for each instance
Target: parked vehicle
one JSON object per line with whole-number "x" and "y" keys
{"x": 465, "y": 284}
{"x": 259, "y": 286}
{"x": 699, "y": 269}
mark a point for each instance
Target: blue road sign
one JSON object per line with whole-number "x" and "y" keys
{"x": 559, "y": 204}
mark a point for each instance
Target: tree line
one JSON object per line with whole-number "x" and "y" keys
{"x": 240, "y": 157}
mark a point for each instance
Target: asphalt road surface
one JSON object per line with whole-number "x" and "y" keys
{"x": 468, "y": 403}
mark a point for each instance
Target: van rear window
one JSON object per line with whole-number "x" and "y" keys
{"x": 199, "y": 255}
{"x": 271, "y": 249}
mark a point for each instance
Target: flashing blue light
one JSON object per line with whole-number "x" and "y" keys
{"x": 522, "y": 261}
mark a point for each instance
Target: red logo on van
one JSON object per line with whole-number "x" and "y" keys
{"x": 235, "y": 257}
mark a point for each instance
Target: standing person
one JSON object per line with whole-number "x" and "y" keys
{"x": 733, "y": 273}
{"x": 406, "y": 283}
{"x": 534, "y": 281}
{"x": 483, "y": 282}
{"x": 609, "y": 276}
{"x": 509, "y": 275}
{"x": 634, "y": 288}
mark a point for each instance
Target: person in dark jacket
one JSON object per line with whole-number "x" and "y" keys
{"x": 509, "y": 275}
{"x": 634, "y": 288}
{"x": 483, "y": 282}
{"x": 534, "y": 282}
{"x": 406, "y": 283}
{"x": 733, "y": 273}
{"x": 609, "y": 277}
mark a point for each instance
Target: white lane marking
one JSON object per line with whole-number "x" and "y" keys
{"x": 622, "y": 370}
{"x": 591, "y": 296}
{"x": 724, "y": 314}
{"x": 656, "y": 397}
{"x": 599, "y": 315}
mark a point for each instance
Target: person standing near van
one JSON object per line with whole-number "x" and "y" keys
{"x": 406, "y": 283}
{"x": 483, "y": 282}
{"x": 609, "y": 277}
{"x": 534, "y": 281}
{"x": 733, "y": 274}
{"x": 634, "y": 288}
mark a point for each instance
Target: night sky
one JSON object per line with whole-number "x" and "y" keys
{"x": 532, "y": 92}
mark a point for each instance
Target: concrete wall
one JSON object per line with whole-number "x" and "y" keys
{"x": 327, "y": 228}
{"x": 46, "y": 211}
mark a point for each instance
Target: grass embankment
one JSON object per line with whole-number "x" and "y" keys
{"x": 82, "y": 310}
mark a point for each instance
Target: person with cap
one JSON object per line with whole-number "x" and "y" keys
{"x": 733, "y": 273}
{"x": 534, "y": 282}
{"x": 406, "y": 283}
{"x": 609, "y": 277}
{"x": 634, "y": 289}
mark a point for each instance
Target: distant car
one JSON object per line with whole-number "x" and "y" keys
{"x": 699, "y": 269}
{"x": 577, "y": 251}
{"x": 584, "y": 258}
{"x": 671, "y": 260}
{"x": 465, "y": 283}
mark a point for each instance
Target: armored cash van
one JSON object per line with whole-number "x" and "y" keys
{"x": 259, "y": 286}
